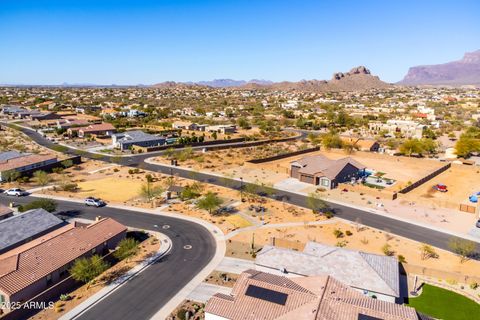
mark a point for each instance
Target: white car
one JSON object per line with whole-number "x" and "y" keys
{"x": 17, "y": 192}
{"x": 94, "y": 202}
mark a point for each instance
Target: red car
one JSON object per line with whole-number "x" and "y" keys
{"x": 440, "y": 187}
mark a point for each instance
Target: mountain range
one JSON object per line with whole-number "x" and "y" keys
{"x": 358, "y": 78}
{"x": 465, "y": 71}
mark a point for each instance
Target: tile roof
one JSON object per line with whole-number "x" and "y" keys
{"x": 242, "y": 306}
{"x": 97, "y": 127}
{"x": 309, "y": 298}
{"x": 320, "y": 164}
{"x": 361, "y": 270}
{"x": 37, "y": 260}
{"x": 23, "y": 161}
{"x": 26, "y": 225}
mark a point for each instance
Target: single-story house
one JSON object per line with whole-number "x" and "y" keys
{"x": 12, "y": 110}
{"x": 186, "y": 125}
{"x": 261, "y": 295}
{"x": 41, "y": 116}
{"x": 35, "y": 266}
{"x": 88, "y": 109}
{"x": 372, "y": 275}
{"x": 101, "y": 129}
{"x": 71, "y": 123}
{"x": 224, "y": 129}
{"x": 125, "y": 140}
{"x": 361, "y": 143}
{"x": 21, "y": 162}
{"x": 325, "y": 172}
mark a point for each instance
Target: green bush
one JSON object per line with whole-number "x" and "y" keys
{"x": 182, "y": 314}
{"x": 348, "y": 233}
{"x": 46, "y": 204}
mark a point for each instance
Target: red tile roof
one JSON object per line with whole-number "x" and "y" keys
{"x": 309, "y": 298}
{"x": 24, "y": 161}
{"x": 98, "y": 127}
{"x": 38, "y": 259}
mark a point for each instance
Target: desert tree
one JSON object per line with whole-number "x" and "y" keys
{"x": 87, "y": 269}
{"x": 41, "y": 177}
{"x": 463, "y": 247}
{"x": 209, "y": 202}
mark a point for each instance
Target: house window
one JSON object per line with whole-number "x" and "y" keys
{"x": 94, "y": 250}
{"x": 2, "y": 299}
{"x": 325, "y": 182}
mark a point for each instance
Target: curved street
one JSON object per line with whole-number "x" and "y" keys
{"x": 412, "y": 231}
{"x": 142, "y": 296}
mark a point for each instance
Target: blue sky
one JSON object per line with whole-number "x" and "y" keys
{"x": 133, "y": 42}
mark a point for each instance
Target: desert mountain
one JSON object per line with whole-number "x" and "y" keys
{"x": 358, "y": 78}
{"x": 461, "y": 72}
{"x": 225, "y": 83}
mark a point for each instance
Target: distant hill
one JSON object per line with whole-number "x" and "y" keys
{"x": 358, "y": 78}
{"x": 461, "y": 72}
{"x": 226, "y": 83}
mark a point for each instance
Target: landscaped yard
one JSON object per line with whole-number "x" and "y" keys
{"x": 444, "y": 304}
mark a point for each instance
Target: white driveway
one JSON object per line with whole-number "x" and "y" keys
{"x": 235, "y": 265}
{"x": 292, "y": 184}
{"x": 205, "y": 291}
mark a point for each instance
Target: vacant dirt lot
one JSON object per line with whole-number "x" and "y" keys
{"x": 461, "y": 181}
{"x": 362, "y": 238}
{"x": 224, "y": 161}
{"x": 401, "y": 169}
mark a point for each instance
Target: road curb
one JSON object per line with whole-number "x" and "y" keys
{"x": 166, "y": 246}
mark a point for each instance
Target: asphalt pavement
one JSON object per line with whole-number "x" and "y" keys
{"x": 433, "y": 237}
{"x": 145, "y": 294}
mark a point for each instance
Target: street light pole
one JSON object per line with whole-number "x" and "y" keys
{"x": 241, "y": 189}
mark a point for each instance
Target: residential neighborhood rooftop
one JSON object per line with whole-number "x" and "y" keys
{"x": 357, "y": 269}
{"x": 27, "y": 225}
{"x": 260, "y": 295}
{"x": 319, "y": 163}
{"x": 37, "y": 260}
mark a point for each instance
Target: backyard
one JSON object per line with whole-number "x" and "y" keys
{"x": 443, "y": 304}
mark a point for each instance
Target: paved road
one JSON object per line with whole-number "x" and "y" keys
{"x": 145, "y": 294}
{"x": 435, "y": 238}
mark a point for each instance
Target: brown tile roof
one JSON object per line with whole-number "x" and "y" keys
{"x": 38, "y": 259}
{"x": 242, "y": 306}
{"x": 24, "y": 161}
{"x": 97, "y": 127}
{"x": 309, "y": 298}
{"x": 322, "y": 165}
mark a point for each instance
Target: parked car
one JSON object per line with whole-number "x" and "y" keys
{"x": 16, "y": 192}
{"x": 478, "y": 224}
{"x": 95, "y": 202}
{"x": 440, "y": 187}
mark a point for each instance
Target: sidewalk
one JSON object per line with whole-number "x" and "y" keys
{"x": 165, "y": 247}
{"x": 235, "y": 265}
{"x": 198, "y": 279}
{"x": 466, "y": 235}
